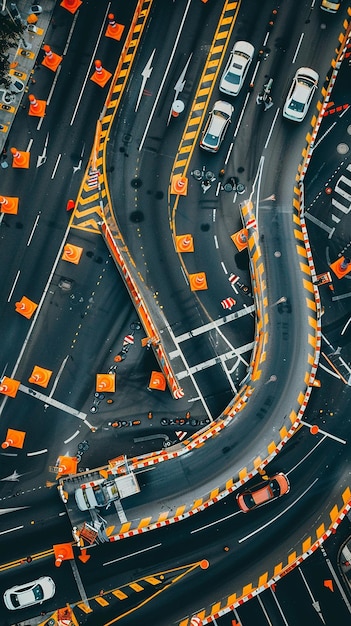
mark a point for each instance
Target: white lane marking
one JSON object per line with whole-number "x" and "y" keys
{"x": 217, "y": 246}
{"x": 11, "y": 530}
{"x": 51, "y": 401}
{"x": 56, "y": 166}
{"x": 319, "y": 223}
{"x": 324, "y": 432}
{"x": 184, "y": 275}
{"x": 279, "y": 607}
{"x": 241, "y": 114}
{"x": 70, "y": 34}
{"x": 17, "y": 508}
{"x": 323, "y": 136}
{"x": 103, "y": 26}
{"x": 13, "y": 285}
{"x": 228, "y": 153}
{"x": 164, "y": 76}
{"x": 264, "y": 610}
{"x": 218, "y": 521}
{"x": 214, "y": 215}
{"x": 218, "y": 188}
{"x": 219, "y": 359}
{"x": 43, "y": 451}
{"x": 314, "y": 603}
{"x": 306, "y": 456}
{"x": 33, "y": 230}
{"x": 127, "y": 556}
{"x": 224, "y": 268}
{"x": 211, "y": 325}
{"x": 72, "y": 437}
{"x": 298, "y": 47}
{"x": 271, "y": 129}
{"x": 58, "y": 376}
{"x": 258, "y": 530}
{"x": 29, "y": 145}
{"x": 330, "y": 372}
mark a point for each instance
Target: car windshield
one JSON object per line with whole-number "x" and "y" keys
{"x": 248, "y": 500}
{"x": 306, "y": 81}
{"x": 211, "y": 140}
{"x": 38, "y": 592}
{"x": 294, "y": 105}
{"x": 233, "y": 78}
{"x": 274, "y": 485}
{"x": 14, "y": 599}
{"x": 221, "y": 114}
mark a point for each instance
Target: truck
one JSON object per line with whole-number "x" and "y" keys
{"x": 103, "y": 491}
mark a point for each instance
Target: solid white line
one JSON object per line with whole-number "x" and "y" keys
{"x": 58, "y": 376}
{"x": 271, "y": 129}
{"x": 218, "y": 521}
{"x": 338, "y": 584}
{"x": 298, "y": 47}
{"x": 164, "y": 77}
{"x": 325, "y": 433}
{"x": 33, "y": 229}
{"x": 279, "y": 607}
{"x": 127, "y": 556}
{"x": 72, "y": 437}
{"x": 70, "y": 34}
{"x": 37, "y": 452}
{"x": 217, "y": 246}
{"x": 90, "y": 64}
{"x": 10, "y": 530}
{"x": 258, "y": 530}
{"x": 56, "y": 166}
{"x": 29, "y": 145}
{"x": 264, "y": 610}
{"x": 241, "y": 114}
{"x": 224, "y": 268}
{"x": 14, "y": 285}
{"x": 185, "y": 276}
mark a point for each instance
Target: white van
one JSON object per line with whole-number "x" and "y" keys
{"x": 96, "y": 494}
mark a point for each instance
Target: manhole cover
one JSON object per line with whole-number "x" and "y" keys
{"x": 136, "y": 183}
{"x": 342, "y": 148}
{"x": 136, "y": 217}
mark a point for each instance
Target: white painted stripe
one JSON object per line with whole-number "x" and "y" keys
{"x": 127, "y": 556}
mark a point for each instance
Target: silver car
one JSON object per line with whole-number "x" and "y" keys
{"x": 36, "y": 592}
{"x": 300, "y": 94}
{"x": 237, "y": 67}
{"x": 216, "y": 126}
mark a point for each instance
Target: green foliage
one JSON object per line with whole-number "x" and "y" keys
{"x": 10, "y": 33}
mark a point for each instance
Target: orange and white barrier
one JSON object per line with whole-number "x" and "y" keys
{"x": 100, "y": 76}
{"x": 114, "y": 30}
{"x": 9, "y": 205}
{"x": 20, "y": 158}
{"x": 51, "y": 59}
{"x": 36, "y": 107}
{"x": 71, "y": 5}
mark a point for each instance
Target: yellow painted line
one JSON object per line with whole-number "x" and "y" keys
{"x": 278, "y": 568}
{"x": 320, "y": 531}
{"x": 144, "y": 522}
{"x": 248, "y": 589}
{"x": 136, "y": 587}
{"x": 307, "y": 285}
{"x": 215, "y": 608}
{"x": 180, "y": 510}
{"x": 152, "y": 580}
{"x": 306, "y": 544}
{"x": 85, "y": 212}
{"x": 346, "y": 495}
{"x": 83, "y": 607}
{"x": 119, "y": 594}
{"x": 101, "y": 601}
{"x": 292, "y": 557}
{"x": 271, "y": 447}
{"x": 334, "y": 513}
{"x": 263, "y": 579}
{"x": 283, "y": 433}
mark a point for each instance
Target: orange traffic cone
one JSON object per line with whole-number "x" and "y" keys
{"x": 114, "y": 30}
{"x": 184, "y": 243}
{"x": 8, "y": 205}
{"x": 36, "y": 107}
{"x": 51, "y": 60}
{"x": 71, "y": 5}
{"x": 198, "y": 281}
{"x": 100, "y": 76}
{"x": 63, "y": 552}
{"x": 20, "y": 159}
{"x": 14, "y": 439}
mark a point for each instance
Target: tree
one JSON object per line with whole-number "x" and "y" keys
{"x": 10, "y": 33}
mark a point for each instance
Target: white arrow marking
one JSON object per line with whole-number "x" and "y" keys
{"x": 315, "y": 603}
{"x": 179, "y": 86}
{"x": 19, "y": 508}
{"x": 42, "y": 157}
{"x": 146, "y": 73}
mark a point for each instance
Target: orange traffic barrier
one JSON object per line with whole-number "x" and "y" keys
{"x": 179, "y": 185}
{"x": 9, "y": 205}
{"x": 9, "y": 386}
{"x": 341, "y": 267}
{"x": 157, "y": 381}
{"x": 51, "y": 59}
{"x": 184, "y": 243}
{"x": 198, "y": 281}
{"x": 106, "y": 382}
{"x": 71, "y": 5}
{"x": 114, "y": 30}
{"x": 36, "y": 107}
{"x": 240, "y": 239}
{"x": 100, "y": 76}
{"x": 14, "y": 439}
{"x": 20, "y": 158}
{"x": 67, "y": 465}
{"x": 62, "y": 552}
{"x": 25, "y": 307}
{"x": 72, "y": 253}
{"x": 40, "y": 376}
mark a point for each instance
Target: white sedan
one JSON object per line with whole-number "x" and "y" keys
{"x": 300, "y": 94}
{"x": 21, "y": 596}
{"x": 237, "y": 68}
{"x": 216, "y": 126}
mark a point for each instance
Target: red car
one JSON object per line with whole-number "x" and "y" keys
{"x": 268, "y": 490}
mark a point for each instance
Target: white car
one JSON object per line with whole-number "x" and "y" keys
{"x": 216, "y": 126}
{"x": 237, "y": 68}
{"x": 300, "y": 94}
{"x": 36, "y": 592}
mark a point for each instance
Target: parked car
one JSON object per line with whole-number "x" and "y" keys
{"x": 268, "y": 490}
{"x": 176, "y": 421}
{"x": 216, "y": 126}
{"x": 237, "y": 67}
{"x": 17, "y": 86}
{"x": 332, "y": 6}
{"x": 300, "y": 94}
{"x": 202, "y": 422}
{"x": 123, "y": 423}
{"x": 28, "y": 594}
{"x": 98, "y": 397}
